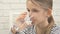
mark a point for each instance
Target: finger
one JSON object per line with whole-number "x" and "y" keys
{"x": 22, "y": 16}
{"x": 24, "y": 13}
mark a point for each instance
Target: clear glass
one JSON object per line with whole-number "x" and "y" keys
{"x": 27, "y": 20}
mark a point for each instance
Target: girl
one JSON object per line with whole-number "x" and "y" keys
{"x": 40, "y": 12}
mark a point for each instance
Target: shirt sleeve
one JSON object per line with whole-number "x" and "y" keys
{"x": 55, "y": 30}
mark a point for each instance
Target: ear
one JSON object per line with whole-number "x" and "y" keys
{"x": 49, "y": 12}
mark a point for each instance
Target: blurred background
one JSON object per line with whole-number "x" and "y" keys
{"x": 9, "y": 9}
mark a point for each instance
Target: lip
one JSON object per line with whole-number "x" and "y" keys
{"x": 32, "y": 19}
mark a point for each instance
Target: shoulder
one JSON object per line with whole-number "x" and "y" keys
{"x": 55, "y": 30}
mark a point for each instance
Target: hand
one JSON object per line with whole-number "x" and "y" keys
{"x": 20, "y": 22}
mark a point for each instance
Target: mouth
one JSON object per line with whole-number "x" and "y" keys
{"x": 33, "y": 20}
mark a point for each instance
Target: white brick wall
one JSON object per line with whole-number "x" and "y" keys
{"x": 7, "y": 7}
{"x": 56, "y": 11}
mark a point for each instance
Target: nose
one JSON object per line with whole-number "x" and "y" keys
{"x": 30, "y": 15}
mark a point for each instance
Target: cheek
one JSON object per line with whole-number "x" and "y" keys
{"x": 40, "y": 17}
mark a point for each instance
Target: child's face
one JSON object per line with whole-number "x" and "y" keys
{"x": 37, "y": 13}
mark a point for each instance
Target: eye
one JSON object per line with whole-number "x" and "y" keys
{"x": 35, "y": 10}
{"x": 28, "y": 10}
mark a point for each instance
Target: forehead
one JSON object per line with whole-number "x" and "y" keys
{"x": 32, "y": 5}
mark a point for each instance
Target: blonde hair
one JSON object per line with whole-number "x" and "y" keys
{"x": 45, "y": 4}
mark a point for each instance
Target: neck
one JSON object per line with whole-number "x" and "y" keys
{"x": 42, "y": 25}
{"x": 41, "y": 28}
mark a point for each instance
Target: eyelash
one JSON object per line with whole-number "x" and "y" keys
{"x": 28, "y": 10}
{"x": 33, "y": 10}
